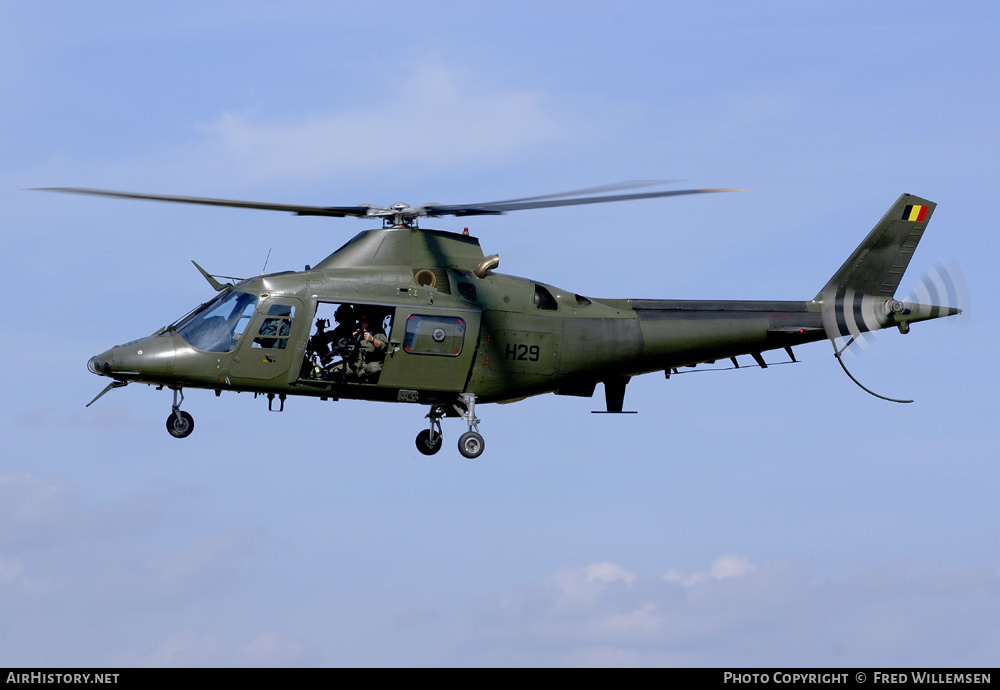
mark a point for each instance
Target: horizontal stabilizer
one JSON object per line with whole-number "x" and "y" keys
{"x": 794, "y": 330}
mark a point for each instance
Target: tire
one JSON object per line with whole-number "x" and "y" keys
{"x": 424, "y": 444}
{"x": 180, "y": 424}
{"x": 471, "y": 445}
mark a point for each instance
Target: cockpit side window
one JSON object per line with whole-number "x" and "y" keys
{"x": 218, "y": 327}
{"x": 544, "y": 299}
{"x": 274, "y": 331}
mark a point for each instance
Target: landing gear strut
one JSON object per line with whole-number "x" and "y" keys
{"x": 180, "y": 424}
{"x": 470, "y": 444}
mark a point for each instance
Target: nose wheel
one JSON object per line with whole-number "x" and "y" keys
{"x": 180, "y": 424}
{"x": 470, "y": 444}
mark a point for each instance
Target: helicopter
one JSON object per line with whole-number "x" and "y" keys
{"x": 423, "y": 317}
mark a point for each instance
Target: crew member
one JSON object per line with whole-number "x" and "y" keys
{"x": 372, "y": 346}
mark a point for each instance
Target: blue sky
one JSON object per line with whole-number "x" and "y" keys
{"x": 777, "y": 517}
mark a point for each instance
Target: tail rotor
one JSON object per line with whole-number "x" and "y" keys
{"x": 860, "y": 297}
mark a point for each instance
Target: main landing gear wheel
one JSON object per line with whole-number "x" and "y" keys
{"x": 471, "y": 445}
{"x": 180, "y": 424}
{"x": 425, "y": 445}
{"x": 429, "y": 440}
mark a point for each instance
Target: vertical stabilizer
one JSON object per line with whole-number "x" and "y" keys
{"x": 876, "y": 267}
{"x": 859, "y": 296}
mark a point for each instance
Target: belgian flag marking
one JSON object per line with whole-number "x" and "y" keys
{"x": 914, "y": 212}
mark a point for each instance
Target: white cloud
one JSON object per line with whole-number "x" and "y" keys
{"x": 184, "y": 648}
{"x": 642, "y": 621}
{"x": 574, "y": 587}
{"x": 433, "y": 119}
{"x": 436, "y": 118}
{"x": 740, "y": 613}
{"x": 723, "y": 568}
{"x": 270, "y": 648}
{"x": 580, "y": 587}
{"x": 65, "y": 563}
{"x": 607, "y": 572}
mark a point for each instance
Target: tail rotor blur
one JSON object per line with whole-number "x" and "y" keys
{"x": 857, "y": 316}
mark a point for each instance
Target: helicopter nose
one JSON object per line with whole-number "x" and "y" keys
{"x": 141, "y": 358}
{"x": 101, "y": 364}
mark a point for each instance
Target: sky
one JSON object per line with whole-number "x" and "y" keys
{"x": 777, "y": 517}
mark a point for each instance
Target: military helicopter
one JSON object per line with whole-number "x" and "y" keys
{"x": 423, "y": 317}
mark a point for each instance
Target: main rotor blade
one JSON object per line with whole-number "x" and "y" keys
{"x": 335, "y": 211}
{"x": 627, "y": 184}
{"x": 498, "y": 207}
{"x": 408, "y": 213}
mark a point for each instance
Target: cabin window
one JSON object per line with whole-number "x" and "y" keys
{"x": 217, "y": 327}
{"x": 467, "y": 291}
{"x": 544, "y": 299}
{"x": 434, "y": 335}
{"x": 273, "y": 334}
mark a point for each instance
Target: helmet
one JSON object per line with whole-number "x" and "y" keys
{"x": 344, "y": 314}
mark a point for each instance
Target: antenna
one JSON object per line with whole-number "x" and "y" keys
{"x": 265, "y": 261}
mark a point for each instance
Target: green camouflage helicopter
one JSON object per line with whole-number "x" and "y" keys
{"x": 412, "y": 315}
